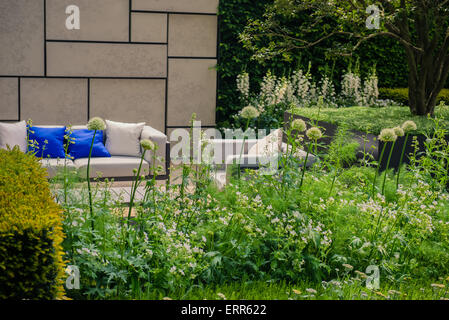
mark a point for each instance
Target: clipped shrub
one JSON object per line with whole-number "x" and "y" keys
{"x": 401, "y": 95}
{"x": 31, "y": 256}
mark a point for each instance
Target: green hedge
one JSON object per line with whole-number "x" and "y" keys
{"x": 31, "y": 263}
{"x": 401, "y": 95}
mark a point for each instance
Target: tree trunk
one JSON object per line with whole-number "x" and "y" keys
{"x": 426, "y": 80}
{"x": 428, "y": 65}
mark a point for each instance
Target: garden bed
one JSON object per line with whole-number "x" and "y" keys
{"x": 373, "y": 120}
{"x": 367, "y": 140}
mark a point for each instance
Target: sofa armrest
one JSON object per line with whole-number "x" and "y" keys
{"x": 224, "y": 148}
{"x": 161, "y": 140}
{"x": 246, "y": 160}
{"x": 267, "y": 165}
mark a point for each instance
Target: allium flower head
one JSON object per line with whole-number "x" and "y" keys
{"x": 314, "y": 133}
{"x": 399, "y": 131}
{"x": 388, "y": 135}
{"x": 299, "y": 125}
{"x": 147, "y": 144}
{"x": 408, "y": 126}
{"x": 96, "y": 123}
{"x": 249, "y": 112}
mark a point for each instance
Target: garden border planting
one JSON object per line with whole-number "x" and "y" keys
{"x": 330, "y": 131}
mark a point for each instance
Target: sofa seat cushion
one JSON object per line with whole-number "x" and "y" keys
{"x": 115, "y": 166}
{"x": 54, "y": 165}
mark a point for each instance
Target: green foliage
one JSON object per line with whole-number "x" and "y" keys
{"x": 373, "y": 120}
{"x": 233, "y": 58}
{"x": 322, "y": 231}
{"x": 288, "y": 28}
{"x": 384, "y": 53}
{"x": 343, "y": 149}
{"x": 349, "y": 287}
{"x": 388, "y": 57}
{"x": 31, "y": 265}
{"x": 401, "y": 95}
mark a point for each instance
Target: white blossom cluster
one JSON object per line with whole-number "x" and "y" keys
{"x": 300, "y": 90}
{"x": 351, "y": 88}
{"x": 243, "y": 85}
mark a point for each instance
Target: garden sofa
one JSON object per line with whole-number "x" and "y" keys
{"x": 251, "y": 154}
{"x": 117, "y": 167}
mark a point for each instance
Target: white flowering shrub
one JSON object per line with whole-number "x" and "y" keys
{"x": 305, "y": 88}
{"x": 351, "y": 89}
{"x": 370, "y": 95}
{"x": 243, "y": 86}
{"x": 278, "y": 94}
{"x": 327, "y": 92}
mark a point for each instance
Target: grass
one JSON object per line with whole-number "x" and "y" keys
{"x": 373, "y": 120}
{"x": 350, "y": 289}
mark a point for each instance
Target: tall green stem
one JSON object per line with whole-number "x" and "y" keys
{"x": 88, "y": 180}
{"x": 378, "y": 168}
{"x": 400, "y": 161}
{"x": 135, "y": 186}
{"x": 388, "y": 166}
{"x": 243, "y": 146}
{"x": 305, "y": 164}
{"x": 153, "y": 180}
{"x": 333, "y": 183}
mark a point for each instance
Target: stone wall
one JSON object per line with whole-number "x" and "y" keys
{"x": 131, "y": 60}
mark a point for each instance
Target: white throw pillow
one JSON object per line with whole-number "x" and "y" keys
{"x": 123, "y": 139}
{"x": 269, "y": 145}
{"x": 13, "y": 134}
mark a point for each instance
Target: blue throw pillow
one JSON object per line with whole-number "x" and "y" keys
{"x": 50, "y": 142}
{"x": 82, "y": 140}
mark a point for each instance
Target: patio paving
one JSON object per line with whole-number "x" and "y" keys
{"x": 119, "y": 191}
